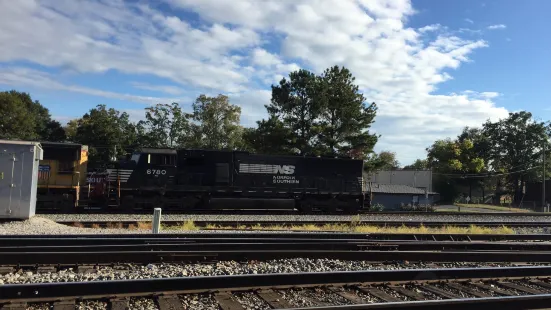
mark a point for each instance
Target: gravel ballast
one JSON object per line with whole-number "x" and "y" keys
{"x": 432, "y": 217}
{"x": 39, "y": 225}
{"x": 136, "y": 271}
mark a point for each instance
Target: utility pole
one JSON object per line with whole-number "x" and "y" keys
{"x": 543, "y": 181}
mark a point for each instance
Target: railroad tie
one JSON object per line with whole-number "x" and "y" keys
{"x": 524, "y": 289}
{"x": 379, "y": 294}
{"x": 409, "y": 293}
{"x": 226, "y": 302}
{"x": 493, "y": 289}
{"x": 6, "y": 270}
{"x": 541, "y": 283}
{"x": 119, "y": 304}
{"x": 464, "y": 288}
{"x": 348, "y": 296}
{"x": 15, "y": 306}
{"x": 273, "y": 299}
{"x": 64, "y": 305}
{"x": 438, "y": 291}
{"x": 169, "y": 302}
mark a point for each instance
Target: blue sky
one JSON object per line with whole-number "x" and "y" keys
{"x": 431, "y": 66}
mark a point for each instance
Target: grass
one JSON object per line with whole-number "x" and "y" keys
{"x": 187, "y": 225}
{"x": 354, "y": 226}
{"x": 473, "y": 229}
{"x": 491, "y": 207}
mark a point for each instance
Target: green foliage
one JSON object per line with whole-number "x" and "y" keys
{"x": 385, "y": 160}
{"x": 166, "y": 125}
{"x": 377, "y": 207}
{"x": 216, "y": 124}
{"x": 298, "y": 104}
{"x": 108, "y": 132}
{"x": 417, "y": 208}
{"x": 516, "y": 144}
{"x": 419, "y": 164}
{"x": 270, "y": 137}
{"x": 24, "y": 119}
{"x": 316, "y": 115}
{"x": 345, "y": 117}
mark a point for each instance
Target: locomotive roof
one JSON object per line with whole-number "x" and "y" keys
{"x": 158, "y": 150}
{"x": 60, "y": 144}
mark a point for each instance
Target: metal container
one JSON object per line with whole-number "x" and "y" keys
{"x": 19, "y": 161}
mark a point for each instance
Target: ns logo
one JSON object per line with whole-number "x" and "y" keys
{"x": 284, "y": 169}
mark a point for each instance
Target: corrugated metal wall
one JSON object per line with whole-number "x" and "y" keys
{"x": 415, "y": 178}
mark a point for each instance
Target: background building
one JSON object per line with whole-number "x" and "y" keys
{"x": 392, "y": 188}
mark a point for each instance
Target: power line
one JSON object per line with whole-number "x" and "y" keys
{"x": 483, "y": 175}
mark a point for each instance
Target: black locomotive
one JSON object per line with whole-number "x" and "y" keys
{"x": 209, "y": 179}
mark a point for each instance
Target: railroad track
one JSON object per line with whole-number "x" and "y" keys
{"x": 228, "y": 224}
{"x": 287, "y": 212}
{"x": 144, "y": 249}
{"x": 453, "y": 288}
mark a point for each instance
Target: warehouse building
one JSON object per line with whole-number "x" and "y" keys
{"x": 413, "y": 178}
{"x": 392, "y": 188}
{"x": 392, "y": 196}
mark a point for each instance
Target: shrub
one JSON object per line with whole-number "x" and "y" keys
{"x": 377, "y": 207}
{"x": 417, "y": 208}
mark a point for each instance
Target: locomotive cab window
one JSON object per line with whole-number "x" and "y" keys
{"x": 66, "y": 167}
{"x": 135, "y": 158}
{"x": 161, "y": 159}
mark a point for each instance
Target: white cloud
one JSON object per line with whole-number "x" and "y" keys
{"x": 172, "y": 90}
{"x": 19, "y": 76}
{"x": 468, "y": 20}
{"x": 429, "y": 28}
{"x": 490, "y": 94}
{"x": 499, "y": 26}
{"x": 239, "y": 43}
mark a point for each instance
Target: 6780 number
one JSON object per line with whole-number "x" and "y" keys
{"x": 156, "y": 171}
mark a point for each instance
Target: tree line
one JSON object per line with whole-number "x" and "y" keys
{"x": 308, "y": 114}
{"x": 498, "y": 158}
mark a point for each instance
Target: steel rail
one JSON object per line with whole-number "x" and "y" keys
{"x": 99, "y": 289}
{"x": 294, "y": 212}
{"x": 257, "y": 236}
{"x": 503, "y": 303}
{"x": 329, "y": 245}
{"x": 142, "y": 257}
{"x": 392, "y": 223}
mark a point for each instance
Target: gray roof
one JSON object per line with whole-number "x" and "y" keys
{"x": 397, "y": 189}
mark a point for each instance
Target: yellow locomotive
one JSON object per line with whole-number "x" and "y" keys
{"x": 61, "y": 175}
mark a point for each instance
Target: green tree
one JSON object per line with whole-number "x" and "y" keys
{"x": 455, "y": 159}
{"x": 53, "y": 132}
{"x": 298, "y": 104}
{"x": 16, "y": 121}
{"x": 418, "y": 164}
{"x": 71, "y": 129}
{"x": 108, "y": 133}
{"x": 385, "y": 160}
{"x": 516, "y": 145}
{"x": 345, "y": 117}
{"x": 166, "y": 125}
{"x": 25, "y": 119}
{"x": 270, "y": 137}
{"x": 215, "y": 123}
